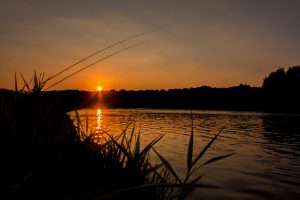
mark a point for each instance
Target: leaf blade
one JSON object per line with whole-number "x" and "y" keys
{"x": 217, "y": 158}
{"x": 190, "y": 148}
{"x": 206, "y": 147}
{"x": 168, "y": 166}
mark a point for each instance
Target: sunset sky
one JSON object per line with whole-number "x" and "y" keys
{"x": 191, "y": 43}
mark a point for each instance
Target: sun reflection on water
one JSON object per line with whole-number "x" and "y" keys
{"x": 99, "y": 120}
{"x": 100, "y": 139}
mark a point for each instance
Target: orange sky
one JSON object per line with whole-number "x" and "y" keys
{"x": 192, "y": 43}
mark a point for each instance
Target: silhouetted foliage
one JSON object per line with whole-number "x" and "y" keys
{"x": 293, "y": 78}
{"x": 240, "y": 97}
{"x": 276, "y": 81}
{"x": 44, "y": 155}
{"x": 282, "y": 80}
{"x": 281, "y": 90}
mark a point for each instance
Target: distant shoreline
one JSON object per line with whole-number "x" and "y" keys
{"x": 237, "y": 98}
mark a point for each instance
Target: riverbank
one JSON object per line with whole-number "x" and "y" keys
{"x": 237, "y": 98}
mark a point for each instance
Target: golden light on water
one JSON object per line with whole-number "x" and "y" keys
{"x": 99, "y": 120}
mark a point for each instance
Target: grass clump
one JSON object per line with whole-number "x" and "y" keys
{"x": 46, "y": 155}
{"x": 142, "y": 179}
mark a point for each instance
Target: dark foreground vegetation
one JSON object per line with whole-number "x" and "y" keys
{"x": 46, "y": 155}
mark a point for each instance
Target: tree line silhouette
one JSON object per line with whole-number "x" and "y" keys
{"x": 281, "y": 80}
{"x": 279, "y": 93}
{"x": 281, "y": 90}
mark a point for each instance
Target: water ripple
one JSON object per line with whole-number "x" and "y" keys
{"x": 266, "y": 163}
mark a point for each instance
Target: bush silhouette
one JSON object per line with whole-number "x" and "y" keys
{"x": 276, "y": 81}
{"x": 282, "y": 80}
{"x": 281, "y": 90}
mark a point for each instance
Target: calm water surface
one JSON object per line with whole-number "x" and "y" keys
{"x": 266, "y": 160}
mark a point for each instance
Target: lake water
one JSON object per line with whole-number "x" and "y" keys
{"x": 266, "y": 147}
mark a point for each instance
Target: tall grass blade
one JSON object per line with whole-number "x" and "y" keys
{"x": 16, "y": 82}
{"x": 168, "y": 166}
{"x": 86, "y": 123}
{"x": 156, "y": 173}
{"x": 195, "y": 180}
{"x": 25, "y": 82}
{"x": 150, "y": 145}
{"x": 122, "y": 148}
{"x": 101, "y": 50}
{"x": 123, "y": 134}
{"x": 137, "y": 147}
{"x": 35, "y": 81}
{"x": 217, "y": 158}
{"x": 80, "y": 127}
{"x": 104, "y": 58}
{"x": 190, "y": 148}
{"x": 124, "y": 131}
{"x": 127, "y": 146}
{"x": 206, "y": 147}
{"x": 129, "y": 142}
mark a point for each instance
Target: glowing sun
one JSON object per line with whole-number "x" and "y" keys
{"x": 99, "y": 88}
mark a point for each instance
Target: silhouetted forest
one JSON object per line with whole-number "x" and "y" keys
{"x": 242, "y": 97}
{"x": 279, "y": 93}
{"x": 281, "y": 90}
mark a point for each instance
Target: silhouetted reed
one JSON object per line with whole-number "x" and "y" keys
{"x": 104, "y": 58}
{"x": 46, "y": 155}
{"x": 93, "y": 54}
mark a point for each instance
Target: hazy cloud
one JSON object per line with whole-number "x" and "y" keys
{"x": 200, "y": 42}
